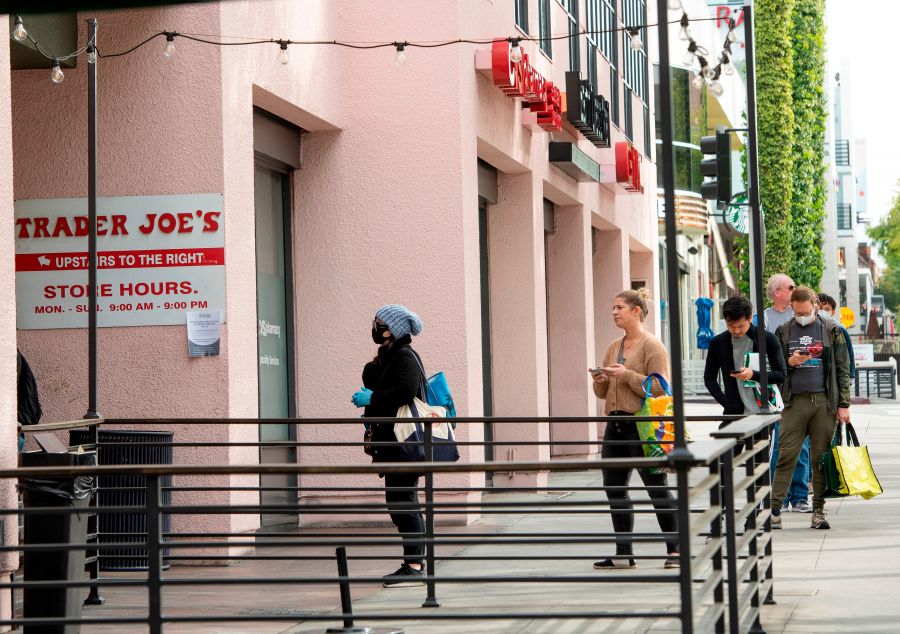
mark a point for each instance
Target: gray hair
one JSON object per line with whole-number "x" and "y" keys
{"x": 774, "y": 282}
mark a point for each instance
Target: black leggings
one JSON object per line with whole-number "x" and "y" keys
{"x": 619, "y": 500}
{"x": 402, "y": 496}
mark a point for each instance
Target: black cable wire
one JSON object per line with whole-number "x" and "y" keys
{"x": 133, "y": 48}
{"x": 351, "y": 45}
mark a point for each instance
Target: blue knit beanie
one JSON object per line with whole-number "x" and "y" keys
{"x": 400, "y": 320}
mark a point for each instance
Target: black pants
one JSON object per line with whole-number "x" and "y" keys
{"x": 620, "y": 502}
{"x": 402, "y": 496}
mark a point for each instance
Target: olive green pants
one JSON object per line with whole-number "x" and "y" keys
{"x": 807, "y": 415}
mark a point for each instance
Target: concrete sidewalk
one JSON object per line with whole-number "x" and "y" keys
{"x": 843, "y": 580}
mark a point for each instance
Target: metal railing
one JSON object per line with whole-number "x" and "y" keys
{"x": 718, "y": 589}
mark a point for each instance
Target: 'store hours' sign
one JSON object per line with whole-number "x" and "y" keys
{"x": 157, "y": 257}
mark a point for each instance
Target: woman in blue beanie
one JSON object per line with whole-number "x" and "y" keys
{"x": 390, "y": 381}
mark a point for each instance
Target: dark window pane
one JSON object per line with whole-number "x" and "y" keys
{"x": 522, "y": 14}
{"x": 544, "y": 27}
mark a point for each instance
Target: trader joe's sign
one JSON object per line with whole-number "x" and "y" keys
{"x": 157, "y": 257}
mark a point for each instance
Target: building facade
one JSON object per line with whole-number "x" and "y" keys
{"x": 296, "y": 198}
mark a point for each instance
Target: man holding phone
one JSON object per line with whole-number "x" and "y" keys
{"x": 727, "y": 353}
{"x": 816, "y": 392}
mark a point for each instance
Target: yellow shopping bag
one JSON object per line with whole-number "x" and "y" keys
{"x": 855, "y": 468}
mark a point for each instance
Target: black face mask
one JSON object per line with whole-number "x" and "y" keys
{"x": 378, "y": 334}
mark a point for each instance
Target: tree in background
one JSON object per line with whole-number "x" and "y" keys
{"x": 775, "y": 120}
{"x": 807, "y": 219}
{"x": 886, "y": 237}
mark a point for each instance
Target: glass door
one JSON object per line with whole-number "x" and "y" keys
{"x": 275, "y": 341}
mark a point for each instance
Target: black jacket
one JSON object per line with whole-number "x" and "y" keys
{"x": 720, "y": 358}
{"x": 395, "y": 379}
{"x": 27, "y": 391}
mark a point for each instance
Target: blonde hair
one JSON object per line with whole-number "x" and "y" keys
{"x": 639, "y": 298}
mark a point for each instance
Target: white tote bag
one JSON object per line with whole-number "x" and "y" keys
{"x": 444, "y": 448}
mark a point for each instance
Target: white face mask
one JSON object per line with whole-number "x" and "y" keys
{"x": 825, "y": 314}
{"x": 804, "y": 320}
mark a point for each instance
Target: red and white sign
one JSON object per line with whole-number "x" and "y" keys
{"x": 157, "y": 257}
{"x": 628, "y": 167}
{"x": 623, "y": 176}
{"x": 521, "y": 80}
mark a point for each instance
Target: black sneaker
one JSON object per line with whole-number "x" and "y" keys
{"x": 615, "y": 563}
{"x": 404, "y": 577}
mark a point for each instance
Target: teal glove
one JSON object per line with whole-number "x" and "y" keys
{"x": 362, "y": 398}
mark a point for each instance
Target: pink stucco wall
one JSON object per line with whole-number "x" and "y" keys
{"x": 384, "y": 210}
{"x": 8, "y": 500}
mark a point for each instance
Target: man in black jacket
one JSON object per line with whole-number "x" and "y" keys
{"x": 726, "y": 356}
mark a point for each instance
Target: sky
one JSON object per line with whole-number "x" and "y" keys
{"x": 865, "y": 32}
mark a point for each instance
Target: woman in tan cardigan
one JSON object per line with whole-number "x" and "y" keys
{"x": 620, "y": 381}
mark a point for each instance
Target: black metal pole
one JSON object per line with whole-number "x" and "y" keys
{"x": 680, "y": 455}
{"x": 430, "y": 595}
{"x": 92, "y": 228}
{"x": 154, "y": 555}
{"x": 757, "y": 235}
{"x": 344, "y": 584}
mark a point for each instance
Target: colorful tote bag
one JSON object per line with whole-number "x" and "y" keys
{"x": 853, "y": 463}
{"x": 411, "y": 434}
{"x": 828, "y": 466}
{"x": 658, "y": 435}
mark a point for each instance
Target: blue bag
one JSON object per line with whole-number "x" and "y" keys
{"x": 436, "y": 390}
{"x": 438, "y": 393}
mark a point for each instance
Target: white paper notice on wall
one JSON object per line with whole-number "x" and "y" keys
{"x": 157, "y": 257}
{"x": 204, "y": 331}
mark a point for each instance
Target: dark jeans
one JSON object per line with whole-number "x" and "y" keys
{"x": 619, "y": 500}
{"x": 403, "y": 504}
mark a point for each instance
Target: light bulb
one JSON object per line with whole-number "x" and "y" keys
{"x": 685, "y": 32}
{"x": 716, "y": 88}
{"x": 697, "y": 82}
{"x": 169, "y": 51}
{"x": 283, "y": 54}
{"x": 636, "y": 43}
{"x": 56, "y": 75}
{"x": 19, "y": 33}
{"x": 400, "y": 57}
{"x": 92, "y": 56}
{"x": 689, "y": 58}
{"x": 707, "y": 72}
{"x": 515, "y": 53}
{"x": 732, "y": 36}
{"x": 728, "y": 68}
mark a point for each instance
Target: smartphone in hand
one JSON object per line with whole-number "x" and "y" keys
{"x": 598, "y": 371}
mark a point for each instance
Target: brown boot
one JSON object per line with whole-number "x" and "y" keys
{"x": 818, "y": 520}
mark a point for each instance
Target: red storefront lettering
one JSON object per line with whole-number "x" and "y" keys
{"x": 522, "y": 80}
{"x": 628, "y": 167}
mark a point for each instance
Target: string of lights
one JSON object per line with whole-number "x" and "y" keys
{"x": 695, "y": 53}
{"x": 20, "y": 34}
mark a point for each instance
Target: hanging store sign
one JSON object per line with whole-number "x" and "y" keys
{"x": 628, "y": 167}
{"x": 542, "y": 98}
{"x": 568, "y": 158}
{"x": 587, "y": 111}
{"x": 157, "y": 257}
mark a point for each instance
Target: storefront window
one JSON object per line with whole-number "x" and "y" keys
{"x": 689, "y": 121}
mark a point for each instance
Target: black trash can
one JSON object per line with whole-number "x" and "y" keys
{"x": 127, "y": 447}
{"x": 56, "y": 528}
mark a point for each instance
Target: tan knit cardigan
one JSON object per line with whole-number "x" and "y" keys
{"x": 627, "y": 394}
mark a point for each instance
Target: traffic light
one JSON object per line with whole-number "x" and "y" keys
{"x": 718, "y": 166}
